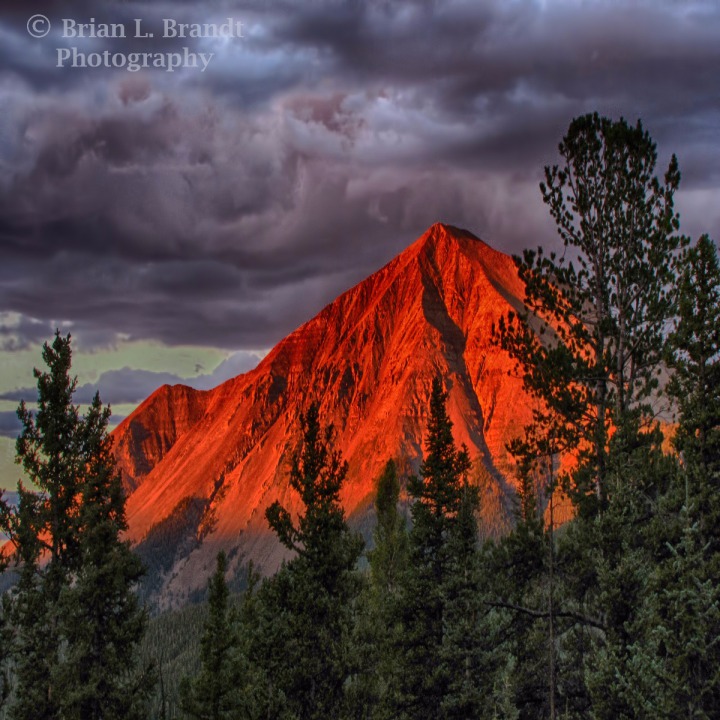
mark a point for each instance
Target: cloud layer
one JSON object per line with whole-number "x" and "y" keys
{"x": 225, "y": 208}
{"x": 129, "y": 386}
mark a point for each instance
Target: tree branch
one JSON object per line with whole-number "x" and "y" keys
{"x": 543, "y": 614}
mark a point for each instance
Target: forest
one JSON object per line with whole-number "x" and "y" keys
{"x": 613, "y": 613}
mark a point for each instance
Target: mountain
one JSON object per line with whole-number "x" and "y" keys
{"x": 200, "y": 467}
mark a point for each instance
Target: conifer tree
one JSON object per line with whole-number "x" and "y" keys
{"x": 305, "y": 612}
{"x": 102, "y": 622}
{"x": 602, "y": 306}
{"x": 516, "y": 573}
{"x": 602, "y": 311}
{"x": 670, "y": 666}
{"x": 75, "y": 619}
{"x": 434, "y": 579}
{"x": 659, "y": 657}
{"x": 222, "y": 689}
{"x": 45, "y": 526}
{"x": 694, "y": 356}
{"x": 5, "y": 639}
{"x": 463, "y": 652}
{"x": 373, "y": 691}
{"x": 388, "y": 558}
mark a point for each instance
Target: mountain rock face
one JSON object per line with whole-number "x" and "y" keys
{"x": 201, "y": 467}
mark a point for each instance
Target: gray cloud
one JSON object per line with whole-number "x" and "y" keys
{"x": 10, "y": 426}
{"x": 130, "y": 386}
{"x": 228, "y": 207}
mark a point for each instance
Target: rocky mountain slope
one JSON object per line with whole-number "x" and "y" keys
{"x": 201, "y": 467}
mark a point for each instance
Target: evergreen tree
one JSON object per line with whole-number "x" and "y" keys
{"x": 5, "y": 635}
{"x": 694, "y": 356}
{"x": 102, "y": 622}
{"x": 669, "y": 667}
{"x": 432, "y": 583}
{"x": 222, "y": 689}
{"x": 603, "y": 306}
{"x": 305, "y": 613}
{"x": 28, "y": 613}
{"x": 602, "y": 311}
{"x": 45, "y": 527}
{"x": 673, "y": 664}
{"x": 75, "y": 620}
{"x": 373, "y": 692}
{"x": 463, "y": 652}
{"x": 516, "y": 571}
{"x": 388, "y": 558}
{"x": 620, "y": 551}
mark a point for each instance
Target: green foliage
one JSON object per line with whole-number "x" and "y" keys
{"x": 372, "y": 692}
{"x": 388, "y": 558}
{"x": 75, "y": 618}
{"x": 304, "y": 615}
{"x": 661, "y": 654}
{"x": 601, "y": 307}
{"x": 673, "y": 665}
{"x": 5, "y": 639}
{"x": 516, "y": 640}
{"x": 602, "y": 311}
{"x": 438, "y": 594}
{"x": 223, "y": 687}
{"x": 614, "y": 615}
{"x": 694, "y": 355}
{"x": 463, "y": 653}
{"x": 45, "y": 524}
{"x": 102, "y": 622}
{"x": 172, "y": 645}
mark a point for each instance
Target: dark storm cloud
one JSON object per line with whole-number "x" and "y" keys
{"x": 23, "y": 332}
{"x": 225, "y": 208}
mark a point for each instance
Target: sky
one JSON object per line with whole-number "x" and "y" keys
{"x": 179, "y": 224}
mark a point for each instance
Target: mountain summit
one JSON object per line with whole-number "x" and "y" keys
{"x": 201, "y": 466}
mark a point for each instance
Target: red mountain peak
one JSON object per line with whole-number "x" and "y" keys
{"x": 368, "y": 358}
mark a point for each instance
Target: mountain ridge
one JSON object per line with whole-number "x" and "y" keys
{"x": 368, "y": 359}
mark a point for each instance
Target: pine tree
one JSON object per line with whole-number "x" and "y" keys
{"x": 222, "y": 689}
{"x": 388, "y": 558}
{"x": 515, "y": 570}
{"x": 589, "y": 347}
{"x": 5, "y": 635}
{"x": 669, "y": 667}
{"x": 463, "y": 652}
{"x": 75, "y": 619}
{"x": 428, "y": 586}
{"x": 5, "y": 639}
{"x": 603, "y": 306}
{"x": 102, "y": 621}
{"x": 44, "y": 527}
{"x": 305, "y": 613}
{"x": 620, "y": 551}
{"x": 694, "y": 357}
{"x": 373, "y": 691}
{"x": 659, "y": 657}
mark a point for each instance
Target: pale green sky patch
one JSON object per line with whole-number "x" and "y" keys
{"x": 16, "y": 366}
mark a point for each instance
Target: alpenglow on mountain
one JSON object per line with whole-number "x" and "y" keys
{"x": 200, "y": 467}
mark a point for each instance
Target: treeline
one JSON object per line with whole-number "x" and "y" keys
{"x": 613, "y": 614}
